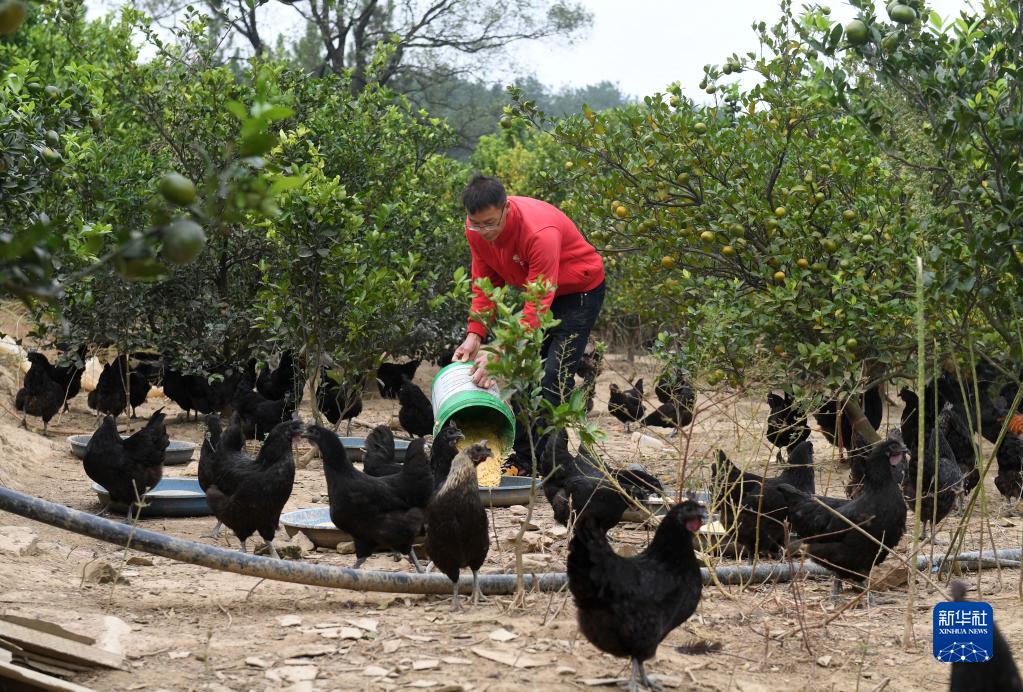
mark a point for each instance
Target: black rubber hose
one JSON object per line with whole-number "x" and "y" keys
{"x": 389, "y": 582}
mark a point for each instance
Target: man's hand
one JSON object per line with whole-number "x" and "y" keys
{"x": 479, "y": 371}
{"x": 468, "y": 350}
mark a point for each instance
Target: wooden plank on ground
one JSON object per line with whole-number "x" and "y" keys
{"x": 36, "y": 680}
{"x": 57, "y": 647}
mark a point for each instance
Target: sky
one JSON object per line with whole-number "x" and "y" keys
{"x": 645, "y": 45}
{"x": 642, "y": 45}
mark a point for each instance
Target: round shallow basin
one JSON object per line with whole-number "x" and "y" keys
{"x": 178, "y": 451}
{"x": 514, "y": 490}
{"x": 658, "y": 505}
{"x": 172, "y": 497}
{"x": 356, "y": 446}
{"x": 315, "y": 523}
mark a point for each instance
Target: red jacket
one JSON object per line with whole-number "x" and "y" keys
{"x": 537, "y": 240}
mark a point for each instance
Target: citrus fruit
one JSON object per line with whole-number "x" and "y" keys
{"x": 707, "y": 236}
{"x": 12, "y": 14}
{"x": 728, "y": 251}
{"x": 700, "y": 128}
{"x": 849, "y": 214}
{"x": 779, "y": 276}
{"x": 621, "y": 212}
{"x": 183, "y": 240}
{"x": 903, "y": 14}
{"x": 856, "y": 32}
{"x": 177, "y": 188}
{"x": 803, "y": 263}
{"x": 667, "y": 261}
{"x": 779, "y": 212}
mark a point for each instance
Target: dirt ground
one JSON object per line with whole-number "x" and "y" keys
{"x": 183, "y": 627}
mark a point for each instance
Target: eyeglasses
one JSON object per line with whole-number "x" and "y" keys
{"x": 488, "y": 226}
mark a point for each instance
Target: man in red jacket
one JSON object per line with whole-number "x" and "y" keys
{"x": 517, "y": 240}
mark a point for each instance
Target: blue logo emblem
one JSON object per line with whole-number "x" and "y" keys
{"x": 963, "y": 632}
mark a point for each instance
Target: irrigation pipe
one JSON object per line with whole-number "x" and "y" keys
{"x": 388, "y": 582}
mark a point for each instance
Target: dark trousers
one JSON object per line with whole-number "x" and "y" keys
{"x": 563, "y": 348}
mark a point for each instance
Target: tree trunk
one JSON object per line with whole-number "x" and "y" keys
{"x": 859, "y": 422}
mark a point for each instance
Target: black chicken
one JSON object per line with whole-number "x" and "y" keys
{"x": 786, "y": 423}
{"x": 378, "y": 457}
{"x": 582, "y": 484}
{"x": 872, "y": 404}
{"x": 626, "y": 406}
{"x": 282, "y": 380}
{"x": 222, "y": 450}
{"x": 669, "y": 415}
{"x": 949, "y": 477}
{"x": 879, "y": 510}
{"x": 1009, "y": 456}
{"x": 338, "y": 401}
{"x": 939, "y": 394}
{"x": 443, "y": 451}
{"x": 40, "y": 395}
{"x": 752, "y": 508}
{"x": 69, "y": 376}
{"x": 377, "y": 512}
{"x": 127, "y": 468}
{"x": 259, "y": 415}
{"x": 390, "y": 377}
{"x": 674, "y": 386}
{"x": 627, "y": 606}
{"x": 138, "y": 390}
{"x": 457, "y": 534}
{"x": 416, "y": 412}
{"x": 249, "y": 498}
{"x": 997, "y": 674}
{"x": 109, "y": 396}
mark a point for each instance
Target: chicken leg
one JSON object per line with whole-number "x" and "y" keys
{"x": 477, "y": 594}
{"x": 214, "y": 532}
{"x": 455, "y": 605}
{"x": 414, "y": 560}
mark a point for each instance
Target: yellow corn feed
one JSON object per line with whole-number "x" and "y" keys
{"x": 488, "y": 473}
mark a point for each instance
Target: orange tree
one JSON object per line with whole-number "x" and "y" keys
{"x": 365, "y": 254}
{"x": 766, "y": 231}
{"x": 944, "y": 98}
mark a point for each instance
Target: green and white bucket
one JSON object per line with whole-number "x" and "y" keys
{"x": 454, "y": 396}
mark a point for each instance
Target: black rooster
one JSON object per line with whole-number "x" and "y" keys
{"x": 416, "y": 412}
{"x": 390, "y": 377}
{"x": 249, "y": 498}
{"x": 40, "y": 395}
{"x": 377, "y": 512}
{"x": 627, "y": 606}
{"x": 626, "y": 406}
{"x": 457, "y": 534}
{"x": 879, "y": 511}
{"x": 127, "y": 468}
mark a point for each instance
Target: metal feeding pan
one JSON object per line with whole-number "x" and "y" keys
{"x": 514, "y": 490}
{"x": 315, "y": 523}
{"x": 178, "y": 451}
{"x": 356, "y": 446}
{"x": 171, "y": 497}
{"x": 658, "y": 505}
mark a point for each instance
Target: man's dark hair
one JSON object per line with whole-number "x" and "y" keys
{"x": 482, "y": 192}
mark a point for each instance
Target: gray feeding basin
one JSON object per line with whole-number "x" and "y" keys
{"x": 658, "y": 505}
{"x": 178, "y": 451}
{"x": 315, "y": 523}
{"x": 355, "y": 447}
{"x": 171, "y": 497}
